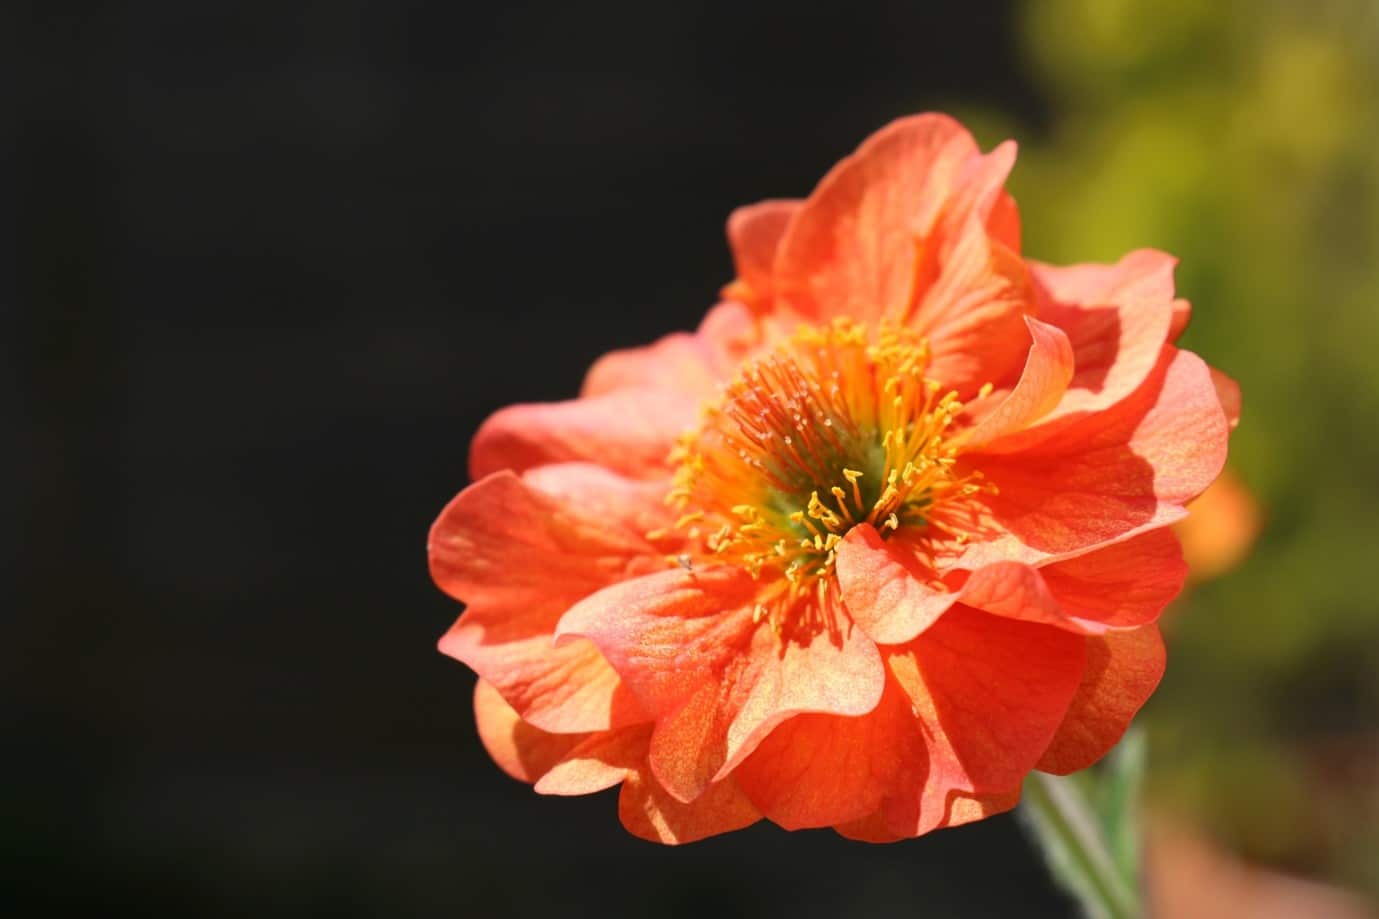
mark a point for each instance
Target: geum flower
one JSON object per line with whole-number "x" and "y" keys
{"x": 889, "y": 531}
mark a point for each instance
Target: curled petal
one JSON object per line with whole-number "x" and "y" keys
{"x": 630, "y": 431}
{"x": 1117, "y": 320}
{"x": 1048, "y": 369}
{"x": 597, "y": 762}
{"x": 1122, "y": 670}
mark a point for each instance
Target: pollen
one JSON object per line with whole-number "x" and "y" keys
{"x": 836, "y": 427}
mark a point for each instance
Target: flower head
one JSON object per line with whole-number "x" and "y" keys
{"x": 888, "y": 531}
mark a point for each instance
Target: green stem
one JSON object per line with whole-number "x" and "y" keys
{"x": 1071, "y": 838}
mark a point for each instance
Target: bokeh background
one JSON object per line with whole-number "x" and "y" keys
{"x": 274, "y": 263}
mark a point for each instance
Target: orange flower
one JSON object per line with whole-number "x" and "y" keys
{"x": 890, "y": 530}
{"x": 1220, "y": 528}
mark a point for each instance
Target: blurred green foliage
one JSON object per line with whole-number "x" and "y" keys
{"x": 1244, "y": 138}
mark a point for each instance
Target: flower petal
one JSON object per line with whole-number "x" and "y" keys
{"x": 820, "y": 770}
{"x": 519, "y": 557}
{"x": 1122, "y": 670}
{"x": 821, "y": 670}
{"x": 1108, "y": 477}
{"x": 668, "y": 632}
{"x": 1124, "y": 585}
{"x": 717, "y": 681}
{"x": 856, "y": 246}
{"x": 597, "y": 762}
{"x": 754, "y": 234}
{"x": 991, "y": 692}
{"x": 972, "y": 310}
{"x": 647, "y": 811}
{"x": 1117, "y": 320}
{"x": 522, "y": 751}
{"x": 889, "y": 590}
{"x": 1048, "y": 368}
{"x": 630, "y": 431}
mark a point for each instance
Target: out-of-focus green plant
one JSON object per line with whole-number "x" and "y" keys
{"x": 1244, "y": 137}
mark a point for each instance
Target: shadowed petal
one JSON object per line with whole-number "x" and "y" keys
{"x": 990, "y": 692}
{"x": 647, "y": 811}
{"x": 522, "y": 751}
{"x": 1117, "y": 320}
{"x": 820, "y": 770}
{"x": 1122, "y": 670}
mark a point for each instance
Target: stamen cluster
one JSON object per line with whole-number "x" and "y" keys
{"x": 837, "y": 426}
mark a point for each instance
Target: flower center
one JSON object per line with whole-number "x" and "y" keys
{"x": 835, "y": 427}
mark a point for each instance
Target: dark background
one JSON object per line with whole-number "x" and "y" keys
{"x": 274, "y": 265}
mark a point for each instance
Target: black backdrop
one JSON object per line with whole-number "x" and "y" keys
{"x": 273, "y": 266}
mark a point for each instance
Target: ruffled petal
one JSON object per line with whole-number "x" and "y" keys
{"x": 754, "y": 234}
{"x": 647, "y": 811}
{"x": 1117, "y": 320}
{"x": 1122, "y": 670}
{"x": 857, "y": 246}
{"x": 716, "y": 680}
{"x": 821, "y": 770}
{"x": 668, "y": 632}
{"x": 972, "y": 310}
{"x": 522, "y": 751}
{"x": 1107, "y": 478}
{"x": 826, "y": 670}
{"x": 630, "y": 431}
{"x": 990, "y": 692}
{"x": 519, "y": 557}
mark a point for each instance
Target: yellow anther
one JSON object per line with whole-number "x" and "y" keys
{"x": 842, "y": 497}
